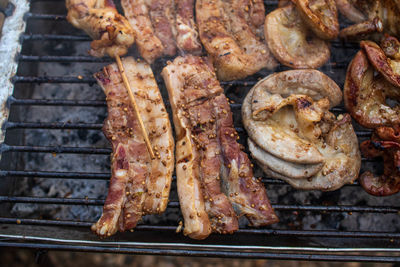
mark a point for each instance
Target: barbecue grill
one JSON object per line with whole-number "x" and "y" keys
{"x": 52, "y": 118}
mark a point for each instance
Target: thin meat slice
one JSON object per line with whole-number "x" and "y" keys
{"x": 204, "y": 134}
{"x": 212, "y": 172}
{"x": 110, "y": 31}
{"x": 229, "y": 38}
{"x": 148, "y": 44}
{"x": 138, "y": 185}
{"x": 246, "y": 193}
{"x": 162, "y": 14}
{"x": 187, "y": 38}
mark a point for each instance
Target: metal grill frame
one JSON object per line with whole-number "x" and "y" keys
{"x": 75, "y": 235}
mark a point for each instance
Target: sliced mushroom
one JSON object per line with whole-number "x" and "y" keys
{"x": 389, "y": 68}
{"x": 365, "y": 95}
{"x": 291, "y": 42}
{"x": 362, "y": 30}
{"x": 347, "y": 8}
{"x": 389, "y": 182}
{"x": 276, "y": 123}
{"x": 391, "y": 46}
{"x": 294, "y": 170}
{"x": 373, "y": 17}
{"x": 321, "y": 16}
{"x": 270, "y": 121}
{"x": 342, "y": 165}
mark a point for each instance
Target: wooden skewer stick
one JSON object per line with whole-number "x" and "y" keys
{"x": 134, "y": 105}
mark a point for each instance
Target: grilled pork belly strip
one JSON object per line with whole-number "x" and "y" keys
{"x": 207, "y": 154}
{"x": 187, "y": 38}
{"x": 228, "y": 35}
{"x": 162, "y": 27}
{"x": 111, "y": 31}
{"x": 162, "y": 14}
{"x": 137, "y": 13}
{"x": 138, "y": 185}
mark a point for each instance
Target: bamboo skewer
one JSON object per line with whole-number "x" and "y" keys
{"x": 134, "y": 105}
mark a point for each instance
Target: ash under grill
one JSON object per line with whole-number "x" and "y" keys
{"x": 55, "y": 167}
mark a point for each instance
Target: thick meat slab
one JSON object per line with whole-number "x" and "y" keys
{"x": 111, "y": 32}
{"x": 228, "y": 31}
{"x": 214, "y": 176}
{"x": 138, "y": 185}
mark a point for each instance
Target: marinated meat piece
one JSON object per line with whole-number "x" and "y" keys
{"x": 110, "y": 31}
{"x": 365, "y": 95}
{"x": 187, "y": 38}
{"x": 163, "y": 26}
{"x": 137, "y": 13}
{"x": 208, "y": 154}
{"x": 227, "y": 31}
{"x": 162, "y": 14}
{"x": 138, "y": 185}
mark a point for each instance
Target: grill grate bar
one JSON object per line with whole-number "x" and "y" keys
{"x": 85, "y": 38}
{"x": 56, "y": 102}
{"x": 175, "y": 204}
{"x": 92, "y": 176}
{"x": 98, "y": 126}
{"x": 303, "y": 233}
{"x": 29, "y": 58}
{"x": 55, "y": 149}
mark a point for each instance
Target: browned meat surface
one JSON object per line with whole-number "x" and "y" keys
{"x": 229, "y": 31}
{"x": 187, "y": 37}
{"x": 137, "y": 13}
{"x": 163, "y": 27}
{"x": 213, "y": 174}
{"x": 138, "y": 185}
{"x": 110, "y": 31}
{"x": 162, "y": 14}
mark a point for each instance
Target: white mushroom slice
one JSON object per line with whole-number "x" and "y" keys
{"x": 294, "y": 137}
{"x": 291, "y": 42}
{"x": 312, "y": 83}
{"x": 294, "y": 170}
{"x": 321, "y": 16}
{"x": 277, "y": 138}
{"x": 342, "y": 164}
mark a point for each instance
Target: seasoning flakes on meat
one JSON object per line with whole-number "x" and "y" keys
{"x": 138, "y": 185}
{"x": 214, "y": 176}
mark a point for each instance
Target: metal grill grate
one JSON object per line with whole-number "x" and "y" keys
{"x": 336, "y": 243}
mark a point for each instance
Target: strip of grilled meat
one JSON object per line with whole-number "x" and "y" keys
{"x": 138, "y": 185}
{"x": 163, "y": 27}
{"x": 214, "y": 176}
{"x": 110, "y": 31}
{"x": 228, "y": 30}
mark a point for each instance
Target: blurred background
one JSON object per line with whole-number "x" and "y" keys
{"x": 32, "y": 258}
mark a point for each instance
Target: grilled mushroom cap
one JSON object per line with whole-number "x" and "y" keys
{"x": 389, "y": 68}
{"x": 365, "y": 95}
{"x": 321, "y": 16}
{"x": 291, "y": 42}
